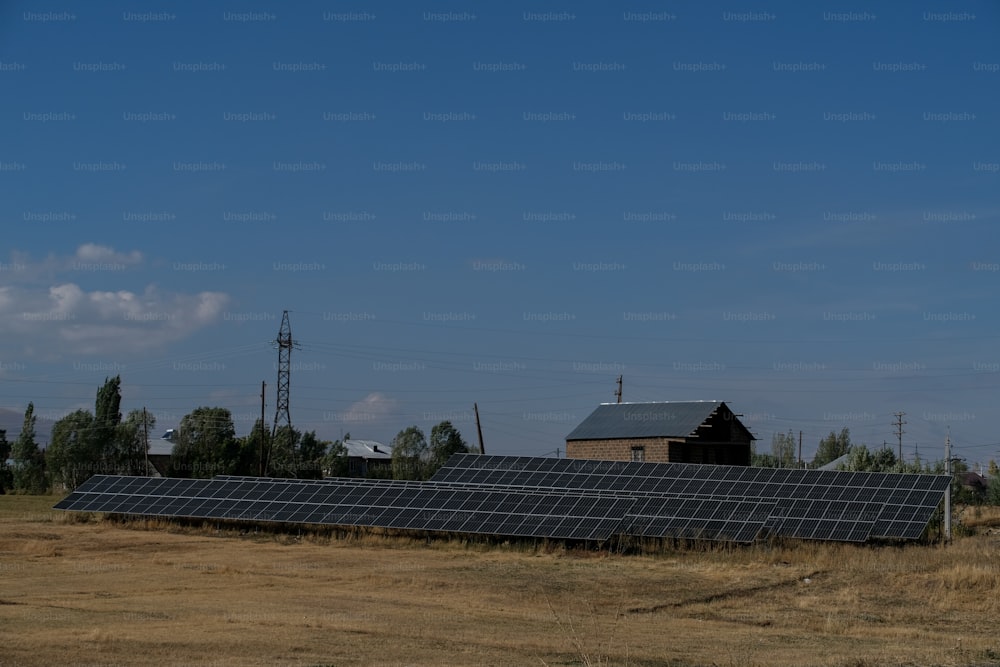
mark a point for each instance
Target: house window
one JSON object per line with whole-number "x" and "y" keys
{"x": 639, "y": 453}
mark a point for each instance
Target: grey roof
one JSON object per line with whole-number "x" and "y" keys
{"x": 836, "y": 463}
{"x": 644, "y": 420}
{"x": 160, "y": 447}
{"x": 368, "y": 449}
{"x": 362, "y": 448}
{"x": 975, "y": 480}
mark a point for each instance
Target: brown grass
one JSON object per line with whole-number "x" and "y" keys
{"x": 79, "y": 591}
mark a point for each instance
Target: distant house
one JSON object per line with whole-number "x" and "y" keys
{"x": 367, "y": 458}
{"x": 158, "y": 454}
{"x": 666, "y": 432}
{"x": 974, "y": 484}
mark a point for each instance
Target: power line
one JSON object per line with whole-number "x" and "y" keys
{"x": 658, "y": 339}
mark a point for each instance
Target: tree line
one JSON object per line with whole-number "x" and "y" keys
{"x": 85, "y": 443}
{"x": 859, "y": 458}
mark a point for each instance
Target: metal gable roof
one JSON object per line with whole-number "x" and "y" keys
{"x": 644, "y": 420}
{"x": 368, "y": 449}
{"x": 161, "y": 447}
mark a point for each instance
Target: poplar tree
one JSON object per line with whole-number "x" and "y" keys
{"x": 29, "y": 464}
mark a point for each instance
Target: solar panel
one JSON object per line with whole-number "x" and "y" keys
{"x": 403, "y": 505}
{"x": 555, "y": 498}
{"x": 893, "y": 503}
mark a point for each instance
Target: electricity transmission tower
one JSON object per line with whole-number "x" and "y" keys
{"x": 284, "y": 343}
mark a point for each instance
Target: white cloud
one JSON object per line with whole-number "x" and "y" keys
{"x": 372, "y": 408}
{"x": 51, "y": 318}
{"x": 88, "y": 258}
{"x": 6, "y": 298}
{"x": 93, "y": 253}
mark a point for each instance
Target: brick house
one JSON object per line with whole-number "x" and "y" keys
{"x": 666, "y": 432}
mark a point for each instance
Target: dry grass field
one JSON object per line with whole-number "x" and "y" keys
{"x": 90, "y": 592}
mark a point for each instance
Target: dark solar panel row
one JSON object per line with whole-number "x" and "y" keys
{"x": 384, "y": 504}
{"x": 672, "y": 477}
{"x": 554, "y": 498}
{"x": 822, "y": 504}
{"x": 893, "y": 503}
{"x": 737, "y": 528}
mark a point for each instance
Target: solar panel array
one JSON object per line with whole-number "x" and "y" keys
{"x": 553, "y": 498}
{"x": 808, "y": 504}
{"x": 349, "y": 502}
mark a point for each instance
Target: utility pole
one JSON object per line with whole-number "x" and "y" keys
{"x": 800, "y": 449}
{"x": 479, "y": 430}
{"x": 261, "y": 443}
{"x": 618, "y": 392}
{"x": 145, "y": 441}
{"x": 899, "y": 431}
{"x": 947, "y": 493}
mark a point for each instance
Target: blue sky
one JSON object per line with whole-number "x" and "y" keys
{"x": 791, "y": 208}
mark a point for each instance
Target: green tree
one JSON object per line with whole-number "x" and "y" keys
{"x": 72, "y": 455}
{"x": 282, "y": 460}
{"x": 253, "y": 450}
{"x": 409, "y": 454}
{"x": 107, "y": 417}
{"x": 884, "y": 460}
{"x": 761, "y": 460}
{"x": 861, "y": 459}
{"x": 6, "y": 479}
{"x": 132, "y": 443}
{"x": 335, "y": 462}
{"x": 84, "y": 444}
{"x": 832, "y": 447}
{"x": 783, "y": 447}
{"x": 205, "y": 444}
{"x": 379, "y": 472}
{"x": 993, "y": 490}
{"x": 445, "y": 440}
{"x": 29, "y": 463}
{"x": 310, "y": 455}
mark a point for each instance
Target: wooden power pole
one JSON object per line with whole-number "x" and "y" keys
{"x": 145, "y": 441}
{"x": 261, "y": 443}
{"x": 947, "y": 493}
{"x": 899, "y": 431}
{"x": 479, "y": 430}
